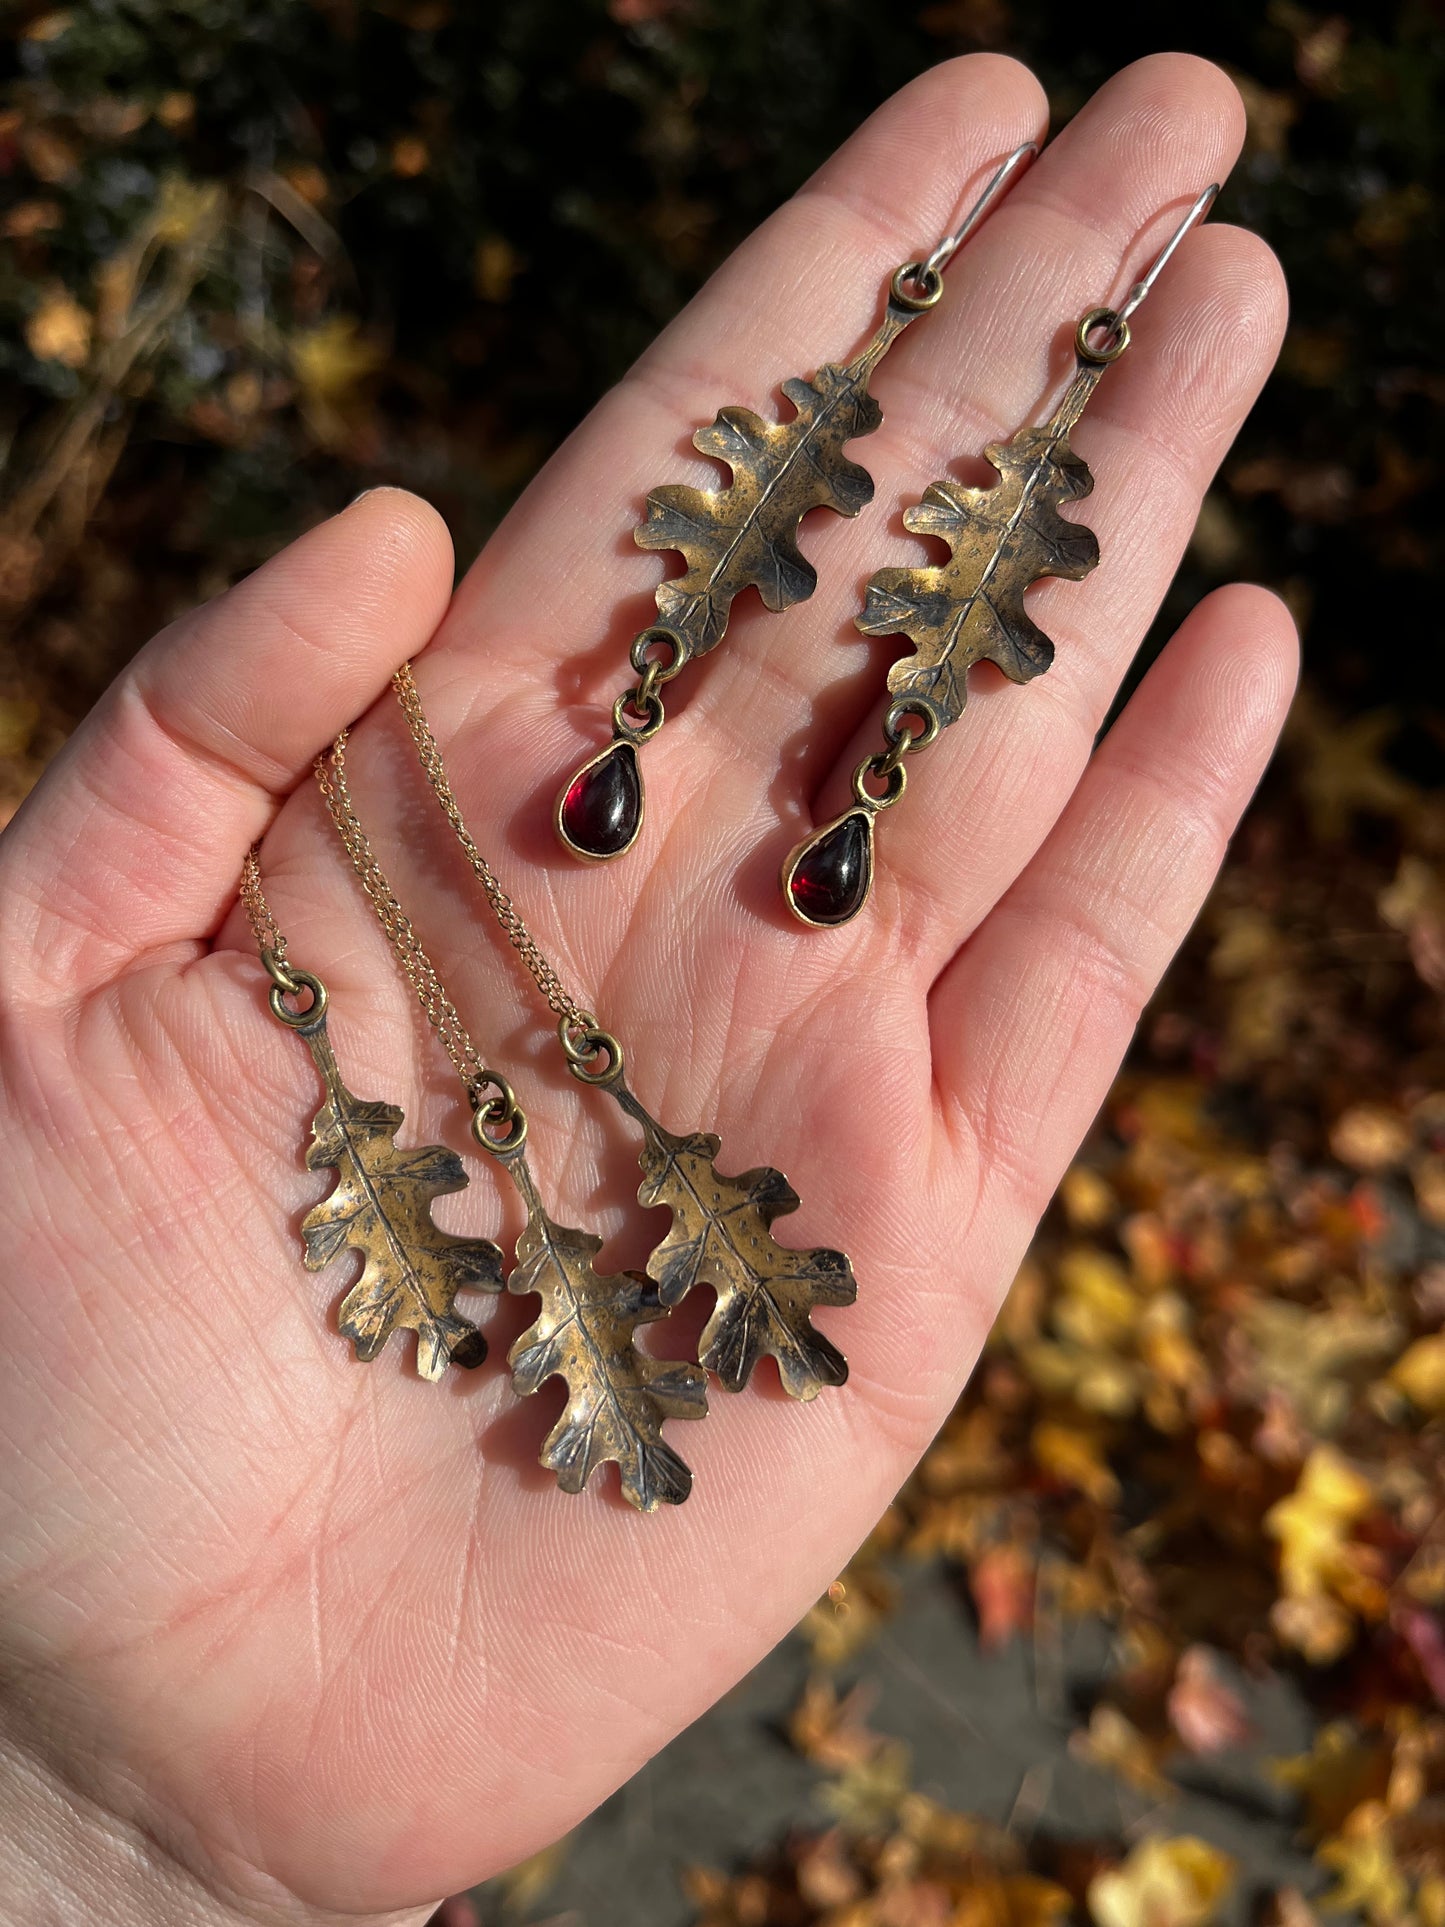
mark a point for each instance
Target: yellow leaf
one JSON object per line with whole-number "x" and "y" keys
{"x": 1011, "y": 1900}
{"x": 1363, "y": 1856}
{"x": 1075, "y": 1457}
{"x": 1430, "y": 1901}
{"x": 528, "y": 1882}
{"x": 1420, "y": 1374}
{"x": 1320, "y": 1629}
{"x": 1313, "y": 1524}
{"x": 1099, "y": 1306}
{"x": 1088, "y": 1200}
{"x": 866, "y": 1798}
{"x": 1339, "y": 1773}
{"x": 331, "y": 360}
{"x": 186, "y": 209}
{"x": 1163, "y": 1883}
{"x": 59, "y": 329}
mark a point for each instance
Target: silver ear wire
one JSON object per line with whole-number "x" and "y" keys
{"x": 1002, "y": 175}
{"x": 1192, "y": 219}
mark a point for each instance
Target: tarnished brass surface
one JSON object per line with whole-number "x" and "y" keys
{"x": 617, "y": 1396}
{"x": 381, "y": 1207}
{"x": 746, "y": 535}
{"x": 721, "y": 1237}
{"x": 971, "y": 608}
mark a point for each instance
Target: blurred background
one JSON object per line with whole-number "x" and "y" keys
{"x": 1154, "y": 1638}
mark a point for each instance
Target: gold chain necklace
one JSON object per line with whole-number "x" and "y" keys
{"x": 617, "y": 1396}
{"x": 720, "y": 1236}
{"x": 721, "y": 1226}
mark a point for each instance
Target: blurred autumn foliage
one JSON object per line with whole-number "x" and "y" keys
{"x": 259, "y": 254}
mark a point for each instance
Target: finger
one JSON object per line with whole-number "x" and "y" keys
{"x": 982, "y": 800}
{"x": 1032, "y": 1018}
{"x": 134, "y": 837}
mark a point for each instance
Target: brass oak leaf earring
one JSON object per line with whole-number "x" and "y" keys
{"x": 746, "y": 536}
{"x": 971, "y": 608}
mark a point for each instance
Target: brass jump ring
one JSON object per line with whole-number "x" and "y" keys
{"x": 897, "y": 779}
{"x": 1116, "y": 337}
{"x": 593, "y": 1042}
{"x": 926, "y": 278}
{"x": 894, "y": 732}
{"x": 279, "y": 972}
{"x": 299, "y": 1019}
{"x": 664, "y": 668}
{"x": 512, "y": 1140}
{"x": 632, "y": 699}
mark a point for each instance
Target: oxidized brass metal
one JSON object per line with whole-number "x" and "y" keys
{"x": 746, "y": 535}
{"x": 381, "y": 1207}
{"x": 721, "y": 1236}
{"x": 971, "y": 608}
{"x": 617, "y": 1396}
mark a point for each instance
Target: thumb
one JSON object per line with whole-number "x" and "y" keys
{"x": 133, "y": 838}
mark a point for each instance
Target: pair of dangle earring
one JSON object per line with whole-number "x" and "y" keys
{"x": 1001, "y": 539}
{"x": 745, "y": 536}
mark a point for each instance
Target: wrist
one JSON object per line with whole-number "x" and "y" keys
{"x": 66, "y": 1858}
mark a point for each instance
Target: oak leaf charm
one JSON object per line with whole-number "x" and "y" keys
{"x": 746, "y": 535}
{"x": 617, "y": 1396}
{"x": 381, "y": 1207}
{"x": 971, "y": 608}
{"x": 721, "y": 1237}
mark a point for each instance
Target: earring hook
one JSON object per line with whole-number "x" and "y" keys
{"x": 1195, "y": 215}
{"x": 951, "y": 243}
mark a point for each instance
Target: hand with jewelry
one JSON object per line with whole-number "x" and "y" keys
{"x": 284, "y": 1636}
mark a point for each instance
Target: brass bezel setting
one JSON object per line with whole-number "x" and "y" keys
{"x": 799, "y": 850}
{"x": 575, "y": 849}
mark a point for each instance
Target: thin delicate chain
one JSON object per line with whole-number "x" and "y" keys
{"x": 559, "y": 999}
{"x": 258, "y": 912}
{"x": 416, "y": 966}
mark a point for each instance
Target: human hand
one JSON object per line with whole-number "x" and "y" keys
{"x": 283, "y": 1637}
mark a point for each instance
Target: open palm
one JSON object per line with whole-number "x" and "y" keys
{"x": 324, "y": 1636}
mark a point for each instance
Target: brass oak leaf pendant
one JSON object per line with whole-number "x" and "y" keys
{"x": 617, "y": 1396}
{"x": 971, "y": 608}
{"x": 746, "y": 535}
{"x": 721, "y": 1237}
{"x": 381, "y": 1207}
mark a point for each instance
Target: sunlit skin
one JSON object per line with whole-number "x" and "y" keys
{"x": 286, "y": 1637}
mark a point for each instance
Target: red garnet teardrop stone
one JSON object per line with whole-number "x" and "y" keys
{"x": 828, "y": 882}
{"x": 600, "y": 810}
